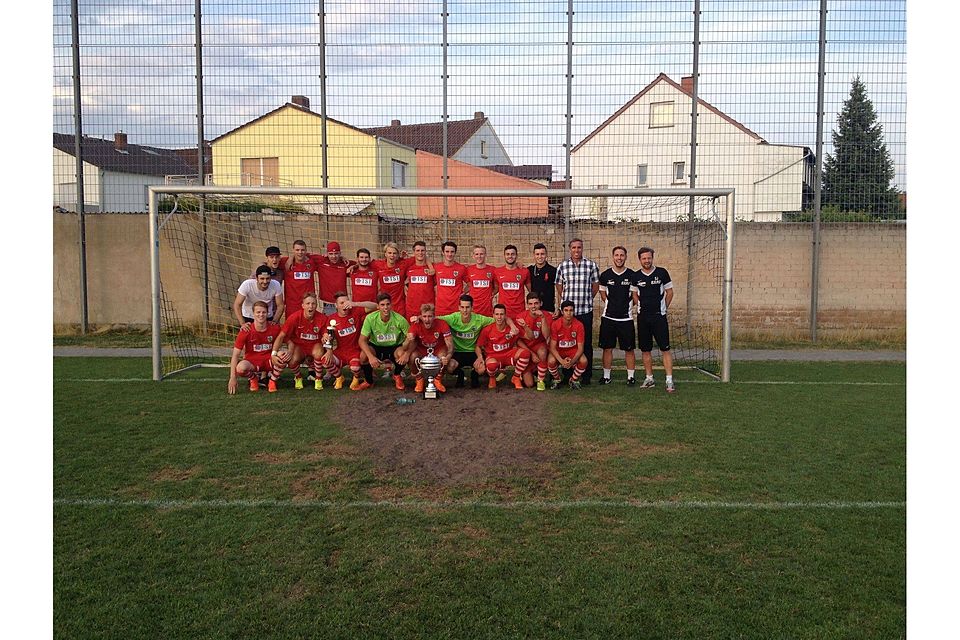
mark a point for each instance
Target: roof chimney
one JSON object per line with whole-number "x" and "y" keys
{"x": 686, "y": 84}
{"x": 478, "y": 115}
{"x": 120, "y": 141}
{"x": 301, "y": 101}
{"x": 394, "y": 123}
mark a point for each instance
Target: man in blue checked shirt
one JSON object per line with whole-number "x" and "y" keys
{"x": 578, "y": 280}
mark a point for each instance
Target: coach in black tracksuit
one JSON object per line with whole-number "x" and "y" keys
{"x": 655, "y": 292}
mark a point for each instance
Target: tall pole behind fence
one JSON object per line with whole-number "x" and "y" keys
{"x": 568, "y": 180}
{"x": 446, "y": 116}
{"x": 694, "y": 89}
{"x": 78, "y": 154}
{"x": 324, "y": 172}
{"x": 201, "y": 170}
{"x": 818, "y": 182}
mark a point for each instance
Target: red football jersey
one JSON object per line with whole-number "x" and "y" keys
{"x": 449, "y": 287}
{"x": 512, "y": 284}
{"x": 257, "y": 345}
{"x": 306, "y": 332}
{"x": 420, "y": 289}
{"x": 494, "y": 341}
{"x": 363, "y": 285}
{"x": 348, "y": 332}
{"x": 297, "y": 280}
{"x": 332, "y": 277}
{"x": 536, "y": 326}
{"x": 432, "y": 338}
{"x": 390, "y": 280}
{"x": 481, "y": 283}
{"x": 567, "y": 338}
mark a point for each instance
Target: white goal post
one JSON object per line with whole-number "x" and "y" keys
{"x": 700, "y": 222}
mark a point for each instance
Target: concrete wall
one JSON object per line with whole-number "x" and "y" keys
{"x": 863, "y": 266}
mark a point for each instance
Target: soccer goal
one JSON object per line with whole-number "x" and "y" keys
{"x": 205, "y": 241}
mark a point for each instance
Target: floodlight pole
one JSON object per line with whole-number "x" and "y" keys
{"x": 568, "y": 181}
{"x": 818, "y": 179}
{"x": 446, "y": 117}
{"x": 78, "y": 155}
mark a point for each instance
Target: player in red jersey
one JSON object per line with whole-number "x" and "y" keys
{"x": 421, "y": 280}
{"x": 298, "y": 277}
{"x": 497, "y": 345}
{"x": 332, "y": 275}
{"x": 363, "y": 279}
{"x": 252, "y": 351}
{"x": 429, "y": 333}
{"x": 391, "y": 274}
{"x": 343, "y": 345}
{"x": 481, "y": 281}
{"x": 513, "y": 281}
{"x": 299, "y": 340}
{"x": 451, "y": 276}
{"x": 566, "y": 347}
{"x": 536, "y": 327}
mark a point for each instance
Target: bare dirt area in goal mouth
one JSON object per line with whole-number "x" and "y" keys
{"x": 464, "y": 437}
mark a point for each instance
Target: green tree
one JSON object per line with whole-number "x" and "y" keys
{"x": 857, "y": 176}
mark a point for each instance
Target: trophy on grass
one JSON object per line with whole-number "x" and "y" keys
{"x": 429, "y": 366}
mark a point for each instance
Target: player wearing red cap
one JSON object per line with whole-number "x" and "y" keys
{"x": 497, "y": 345}
{"x": 566, "y": 346}
{"x": 512, "y": 281}
{"x": 421, "y": 281}
{"x": 252, "y": 350}
{"x": 451, "y": 276}
{"x": 535, "y": 324}
{"x": 429, "y": 333}
{"x": 343, "y": 345}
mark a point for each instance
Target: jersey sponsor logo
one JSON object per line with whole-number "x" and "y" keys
{"x": 303, "y": 275}
{"x": 388, "y": 338}
{"x": 448, "y": 282}
{"x": 419, "y": 279}
{"x": 393, "y": 279}
{"x": 481, "y": 284}
{"x": 642, "y": 283}
{"x": 266, "y": 346}
{"x": 305, "y": 335}
{"x": 511, "y": 286}
{"x": 466, "y": 335}
{"x": 655, "y": 281}
{"x": 499, "y": 346}
{"x": 346, "y": 331}
{"x": 363, "y": 282}
{"x": 566, "y": 344}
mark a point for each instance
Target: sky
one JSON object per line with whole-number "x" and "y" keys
{"x": 758, "y": 64}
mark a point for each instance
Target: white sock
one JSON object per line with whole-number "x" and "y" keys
{"x": 630, "y": 373}
{"x": 650, "y": 377}
{"x": 606, "y": 373}
{"x": 669, "y": 378}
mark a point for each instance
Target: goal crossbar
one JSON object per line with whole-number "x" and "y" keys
{"x": 156, "y": 223}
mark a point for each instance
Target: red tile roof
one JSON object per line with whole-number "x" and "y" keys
{"x": 664, "y": 77}
{"x": 525, "y": 171}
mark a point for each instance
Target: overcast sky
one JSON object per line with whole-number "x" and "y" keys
{"x": 758, "y": 64}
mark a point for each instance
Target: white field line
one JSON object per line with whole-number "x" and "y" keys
{"x": 468, "y": 504}
{"x": 679, "y": 382}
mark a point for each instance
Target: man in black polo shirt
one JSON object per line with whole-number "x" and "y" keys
{"x": 655, "y": 293}
{"x": 618, "y": 290}
{"x": 543, "y": 277}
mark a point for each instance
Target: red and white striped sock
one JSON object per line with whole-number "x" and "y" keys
{"x": 555, "y": 372}
{"x": 577, "y": 372}
{"x": 520, "y": 365}
{"x": 541, "y": 370}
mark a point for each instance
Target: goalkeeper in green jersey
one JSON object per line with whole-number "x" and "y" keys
{"x": 382, "y": 334}
{"x": 465, "y": 326}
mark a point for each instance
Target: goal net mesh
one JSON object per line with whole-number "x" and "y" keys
{"x": 209, "y": 244}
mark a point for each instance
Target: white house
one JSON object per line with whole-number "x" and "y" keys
{"x": 472, "y": 141}
{"x": 646, "y": 144}
{"x": 115, "y": 174}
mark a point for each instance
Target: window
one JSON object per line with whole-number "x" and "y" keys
{"x": 661, "y": 114}
{"x": 483, "y": 148}
{"x": 641, "y": 175}
{"x": 679, "y": 172}
{"x": 399, "y": 174}
{"x": 260, "y": 172}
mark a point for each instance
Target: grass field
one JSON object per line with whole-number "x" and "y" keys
{"x": 773, "y": 507}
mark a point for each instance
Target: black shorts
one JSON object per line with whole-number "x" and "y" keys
{"x": 614, "y": 331}
{"x": 650, "y": 327}
{"x": 465, "y": 358}
{"x": 385, "y": 353}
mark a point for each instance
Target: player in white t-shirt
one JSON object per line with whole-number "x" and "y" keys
{"x": 261, "y": 288}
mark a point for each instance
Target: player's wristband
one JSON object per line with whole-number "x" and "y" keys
{"x": 274, "y": 352}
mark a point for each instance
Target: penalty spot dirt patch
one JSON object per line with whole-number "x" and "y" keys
{"x": 464, "y": 436}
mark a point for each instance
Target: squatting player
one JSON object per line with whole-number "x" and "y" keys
{"x": 535, "y": 324}
{"x": 429, "y": 332}
{"x": 299, "y": 340}
{"x": 381, "y": 337}
{"x": 497, "y": 347}
{"x": 251, "y": 351}
{"x": 344, "y": 346}
{"x": 566, "y": 346}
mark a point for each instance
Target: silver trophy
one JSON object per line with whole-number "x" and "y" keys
{"x": 329, "y": 339}
{"x": 429, "y": 366}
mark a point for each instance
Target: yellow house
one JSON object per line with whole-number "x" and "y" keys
{"x": 283, "y": 148}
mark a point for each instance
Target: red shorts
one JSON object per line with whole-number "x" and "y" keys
{"x": 567, "y": 353}
{"x": 306, "y": 346}
{"x": 260, "y": 362}
{"x": 505, "y": 358}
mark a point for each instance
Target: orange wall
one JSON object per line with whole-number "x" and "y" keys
{"x": 468, "y": 176}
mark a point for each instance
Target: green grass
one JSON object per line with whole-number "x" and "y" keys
{"x": 338, "y": 566}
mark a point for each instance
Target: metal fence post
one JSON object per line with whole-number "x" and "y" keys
{"x": 201, "y": 169}
{"x": 78, "y": 153}
{"x": 446, "y": 117}
{"x": 818, "y": 180}
{"x": 568, "y": 179}
{"x": 691, "y": 222}
{"x": 324, "y": 170}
